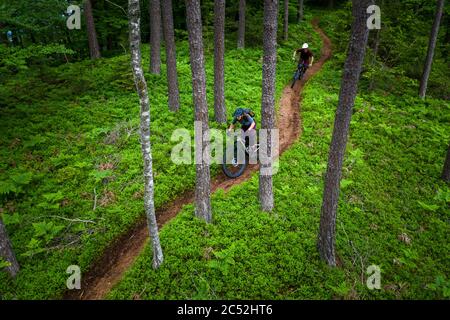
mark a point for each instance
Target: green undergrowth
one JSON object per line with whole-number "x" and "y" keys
{"x": 393, "y": 212}
{"x": 69, "y": 142}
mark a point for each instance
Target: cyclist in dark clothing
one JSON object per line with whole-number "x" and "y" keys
{"x": 248, "y": 125}
{"x": 304, "y": 56}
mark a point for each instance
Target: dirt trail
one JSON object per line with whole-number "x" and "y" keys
{"x": 120, "y": 255}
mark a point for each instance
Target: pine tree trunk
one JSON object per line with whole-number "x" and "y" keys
{"x": 155, "y": 36}
{"x": 141, "y": 87}
{"x": 431, "y": 46}
{"x": 202, "y": 186}
{"x": 171, "y": 56}
{"x": 446, "y": 170}
{"x": 300, "y": 11}
{"x": 6, "y": 252}
{"x": 268, "y": 98}
{"x": 94, "y": 48}
{"x": 286, "y": 20}
{"x": 241, "y": 31}
{"x": 349, "y": 87}
{"x": 220, "y": 114}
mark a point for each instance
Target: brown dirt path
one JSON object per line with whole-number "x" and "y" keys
{"x": 120, "y": 255}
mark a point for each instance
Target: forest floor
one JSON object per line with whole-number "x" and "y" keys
{"x": 120, "y": 255}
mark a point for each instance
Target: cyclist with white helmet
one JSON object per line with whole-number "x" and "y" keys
{"x": 304, "y": 56}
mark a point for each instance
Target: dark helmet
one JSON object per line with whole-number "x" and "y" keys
{"x": 239, "y": 112}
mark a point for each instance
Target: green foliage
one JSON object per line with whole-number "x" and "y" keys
{"x": 79, "y": 141}
{"x": 69, "y": 135}
{"x": 390, "y": 181}
{"x": 441, "y": 285}
{"x": 11, "y": 219}
{"x": 17, "y": 59}
{"x": 4, "y": 263}
{"x": 15, "y": 182}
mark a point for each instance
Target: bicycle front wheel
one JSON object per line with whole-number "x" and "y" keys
{"x": 232, "y": 166}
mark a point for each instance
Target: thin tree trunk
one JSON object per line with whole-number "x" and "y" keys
{"x": 202, "y": 186}
{"x": 349, "y": 87}
{"x": 300, "y": 11}
{"x": 220, "y": 114}
{"x": 286, "y": 20}
{"x": 431, "y": 46}
{"x": 141, "y": 87}
{"x": 94, "y": 48}
{"x": 446, "y": 170}
{"x": 171, "y": 56}
{"x": 241, "y": 31}
{"x": 155, "y": 36}
{"x": 6, "y": 251}
{"x": 268, "y": 99}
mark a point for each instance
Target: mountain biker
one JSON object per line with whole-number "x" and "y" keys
{"x": 248, "y": 125}
{"x": 303, "y": 56}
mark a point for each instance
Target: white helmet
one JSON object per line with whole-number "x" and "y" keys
{"x": 305, "y": 46}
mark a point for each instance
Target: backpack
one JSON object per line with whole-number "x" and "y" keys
{"x": 249, "y": 112}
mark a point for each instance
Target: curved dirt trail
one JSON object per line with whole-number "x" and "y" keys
{"x": 120, "y": 255}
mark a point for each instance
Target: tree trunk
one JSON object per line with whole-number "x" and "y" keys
{"x": 241, "y": 31}
{"x": 94, "y": 48}
{"x": 446, "y": 170}
{"x": 220, "y": 114}
{"x": 286, "y": 20}
{"x": 268, "y": 99}
{"x": 349, "y": 87}
{"x": 171, "y": 56}
{"x": 155, "y": 36}
{"x": 300, "y": 11}
{"x": 7, "y": 253}
{"x": 141, "y": 87}
{"x": 431, "y": 45}
{"x": 202, "y": 186}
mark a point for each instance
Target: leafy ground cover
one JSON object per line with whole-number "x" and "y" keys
{"x": 393, "y": 210}
{"x": 69, "y": 143}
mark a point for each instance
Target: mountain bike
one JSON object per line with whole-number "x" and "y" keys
{"x": 235, "y": 166}
{"x": 298, "y": 75}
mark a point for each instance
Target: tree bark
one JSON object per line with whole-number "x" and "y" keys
{"x": 155, "y": 36}
{"x": 268, "y": 98}
{"x": 220, "y": 114}
{"x": 241, "y": 31}
{"x": 300, "y": 11}
{"x": 349, "y": 87}
{"x": 446, "y": 170}
{"x": 94, "y": 48}
{"x": 6, "y": 251}
{"x": 171, "y": 56}
{"x": 286, "y": 20}
{"x": 431, "y": 46}
{"x": 141, "y": 87}
{"x": 202, "y": 186}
